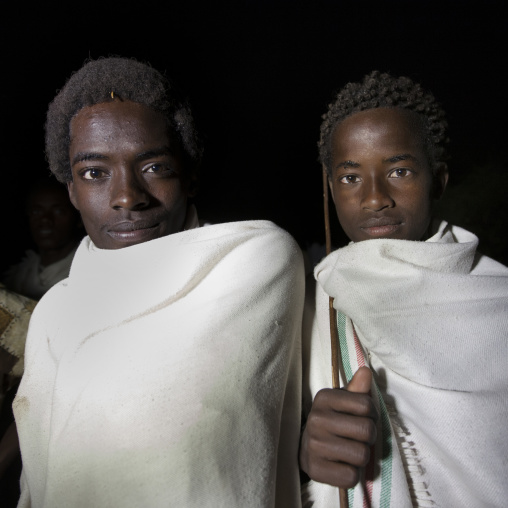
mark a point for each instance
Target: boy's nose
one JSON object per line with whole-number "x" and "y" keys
{"x": 377, "y": 196}
{"x": 127, "y": 192}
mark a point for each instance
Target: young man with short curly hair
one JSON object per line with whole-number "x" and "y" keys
{"x": 421, "y": 318}
{"x": 165, "y": 370}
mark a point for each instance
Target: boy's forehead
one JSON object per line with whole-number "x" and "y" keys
{"x": 392, "y": 117}
{"x": 105, "y": 120}
{"x": 118, "y": 129}
{"x": 388, "y": 128}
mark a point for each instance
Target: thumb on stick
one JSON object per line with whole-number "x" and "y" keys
{"x": 361, "y": 381}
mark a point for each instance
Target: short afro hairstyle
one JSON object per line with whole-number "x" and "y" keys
{"x": 378, "y": 90}
{"x": 129, "y": 80}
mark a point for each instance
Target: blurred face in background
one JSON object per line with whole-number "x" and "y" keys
{"x": 54, "y": 223}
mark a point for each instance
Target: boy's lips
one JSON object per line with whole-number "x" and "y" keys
{"x": 380, "y": 226}
{"x": 128, "y": 225}
{"x": 133, "y": 231}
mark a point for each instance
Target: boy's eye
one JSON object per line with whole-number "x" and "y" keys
{"x": 349, "y": 179}
{"x": 399, "y": 173}
{"x": 157, "y": 168}
{"x": 92, "y": 174}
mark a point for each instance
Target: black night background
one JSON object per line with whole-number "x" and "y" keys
{"x": 259, "y": 74}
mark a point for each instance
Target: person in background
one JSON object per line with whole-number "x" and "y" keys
{"x": 422, "y": 320}
{"x": 56, "y": 230}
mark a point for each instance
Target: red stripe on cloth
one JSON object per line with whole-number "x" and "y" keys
{"x": 369, "y": 469}
{"x": 359, "y": 351}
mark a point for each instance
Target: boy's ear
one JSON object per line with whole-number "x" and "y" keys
{"x": 72, "y": 197}
{"x": 440, "y": 180}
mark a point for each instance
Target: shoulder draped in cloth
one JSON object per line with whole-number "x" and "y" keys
{"x": 431, "y": 320}
{"x": 167, "y": 374}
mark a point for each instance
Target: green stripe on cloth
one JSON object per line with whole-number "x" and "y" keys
{"x": 350, "y": 496}
{"x": 346, "y": 363}
{"x": 386, "y": 454}
{"x": 386, "y": 457}
{"x": 386, "y": 436}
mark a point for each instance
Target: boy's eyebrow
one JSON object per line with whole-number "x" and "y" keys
{"x": 93, "y": 156}
{"x": 400, "y": 157}
{"x": 347, "y": 164}
{"x": 87, "y": 156}
{"x": 154, "y": 152}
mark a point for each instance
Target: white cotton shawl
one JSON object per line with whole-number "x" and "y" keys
{"x": 167, "y": 374}
{"x": 432, "y": 318}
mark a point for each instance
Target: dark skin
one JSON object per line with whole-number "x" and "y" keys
{"x": 383, "y": 186}
{"x": 340, "y": 429}
{"x": 127, "y": 173}
{"x": 382, "y": 182}
{"x": 54, "y": 223}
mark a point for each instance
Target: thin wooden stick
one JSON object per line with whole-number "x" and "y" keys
{"x": 344, "y": 502}
{"x": 327, "y": 215}
{"x": 334, "y": 336}
{"x": 336, "y": 356}
{"x": 335, "y": 345}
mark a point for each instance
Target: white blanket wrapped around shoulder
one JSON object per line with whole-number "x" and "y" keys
{"x": 432, "y": 318}
{"x": 167, "y": 374}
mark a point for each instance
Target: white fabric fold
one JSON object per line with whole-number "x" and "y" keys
{"x": 433, "y": 319}
{"x": 167, "y": 374}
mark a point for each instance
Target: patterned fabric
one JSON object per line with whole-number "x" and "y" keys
{"x": 15, "y": 313}
{"x": 380, "y": 465}
{"x": 383, "y": 483}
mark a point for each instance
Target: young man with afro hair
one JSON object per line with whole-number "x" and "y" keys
{"x": 165, "y": 371}
{"x": 421, "y": 320}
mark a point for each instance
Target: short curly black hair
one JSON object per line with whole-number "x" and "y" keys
{"x": 381, "y": 90}
{"x": 130, "y": 80}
